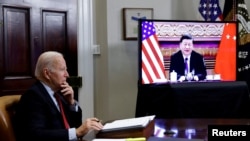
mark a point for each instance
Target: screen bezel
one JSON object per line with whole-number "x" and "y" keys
{"x": 180, "y": 21}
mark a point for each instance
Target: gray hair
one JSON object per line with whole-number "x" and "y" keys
{"x": 46, "y": 60}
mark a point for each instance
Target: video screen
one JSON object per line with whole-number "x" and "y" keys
{"x": 183, "y": 51}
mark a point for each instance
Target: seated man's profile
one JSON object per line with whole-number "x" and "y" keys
{"x": 187, "y": 63}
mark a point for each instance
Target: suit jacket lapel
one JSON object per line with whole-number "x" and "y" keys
{"x": 47, "y": 97}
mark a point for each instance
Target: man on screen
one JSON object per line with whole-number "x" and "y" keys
{"x": 188, "y": 64}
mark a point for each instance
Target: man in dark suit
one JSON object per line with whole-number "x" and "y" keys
{"x": 39, "y": 115}
{"x": 188, "y": 64}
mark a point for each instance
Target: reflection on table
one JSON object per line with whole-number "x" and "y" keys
{"x": 194, "y": 100}
{"x": 191, "y": 128}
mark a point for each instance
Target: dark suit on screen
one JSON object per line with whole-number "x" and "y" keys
{"x": 39, "y": 119}
{"x": 196, "y": 64}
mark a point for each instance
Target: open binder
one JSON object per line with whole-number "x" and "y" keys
{"x": 128, "y": 128}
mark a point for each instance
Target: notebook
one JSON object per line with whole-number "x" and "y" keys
{"x": 128, "y": 123}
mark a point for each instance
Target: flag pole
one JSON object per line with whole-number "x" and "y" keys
{"x": 207, "y": 9}
{"x": 234, "y": 10}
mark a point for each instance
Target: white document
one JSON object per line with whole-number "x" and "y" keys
{"x": 128, "y": 123}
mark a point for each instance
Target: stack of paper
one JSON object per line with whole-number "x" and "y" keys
{"x": 128, "y": 123}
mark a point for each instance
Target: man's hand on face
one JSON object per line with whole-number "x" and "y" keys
{"x": 68, "y": 93}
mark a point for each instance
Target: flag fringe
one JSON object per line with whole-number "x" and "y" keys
{"x": 230, "y": 16}
{"x": 244, "y": 39}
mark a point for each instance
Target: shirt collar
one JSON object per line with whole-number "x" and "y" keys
{"x": 188, "y": 57}
{"x": 48, "y": 89}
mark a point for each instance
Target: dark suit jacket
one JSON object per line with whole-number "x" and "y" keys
{"x": 38, "y": 119}
{"x": 196, "y": 64}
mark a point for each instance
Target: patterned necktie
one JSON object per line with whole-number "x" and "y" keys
{"x": 66, "y": 124}
{"x": 186, "y": 65}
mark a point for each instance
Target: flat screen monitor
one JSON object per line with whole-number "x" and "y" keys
{"x": 183, "y": 51}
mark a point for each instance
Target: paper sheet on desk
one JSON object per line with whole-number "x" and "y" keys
{"x": 128, "y": 123}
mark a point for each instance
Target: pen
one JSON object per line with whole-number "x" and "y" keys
{"x": 99, "y": 120}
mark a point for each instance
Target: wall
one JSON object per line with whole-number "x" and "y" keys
{"x": 116, "y": 66}
{"x": 115, "y": 69}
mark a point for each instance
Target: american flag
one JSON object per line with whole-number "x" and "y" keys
{"x": 210, "y": 10}
{"x": 152, "y": 58}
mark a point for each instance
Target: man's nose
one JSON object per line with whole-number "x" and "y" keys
{"x": 187, "y": 46}
{"x": 66, "y": 74}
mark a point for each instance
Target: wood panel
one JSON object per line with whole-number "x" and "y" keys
{"x": 16, "y": 64}
{"x": 28, "y": 28}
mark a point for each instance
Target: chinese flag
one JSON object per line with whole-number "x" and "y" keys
{"x": 225, "y": 64}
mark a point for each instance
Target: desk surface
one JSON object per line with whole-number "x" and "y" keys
{"x": 194, "y": 100}
{"x": 191, "y": 128}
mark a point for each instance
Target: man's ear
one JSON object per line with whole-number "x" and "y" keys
{"x": 46, "y": 73}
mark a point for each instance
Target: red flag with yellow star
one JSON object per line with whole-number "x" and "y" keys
{"x": 225, "y": 64}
